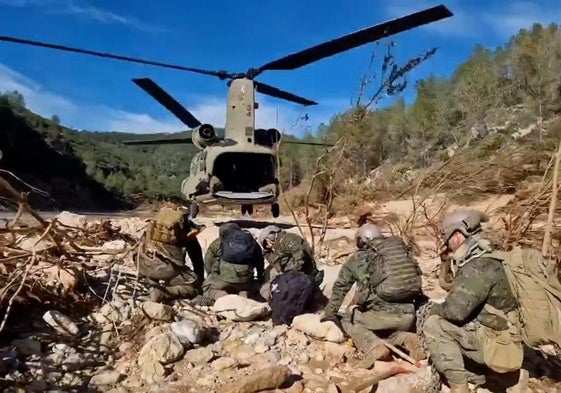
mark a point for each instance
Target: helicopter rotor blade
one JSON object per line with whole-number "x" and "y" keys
{"x": 358, "y": 38}
{"x": 170, "y": 141}
{"x": 274, "y": 92}
{"x": 219, "y": 74}
{"x": 160, "y": 95}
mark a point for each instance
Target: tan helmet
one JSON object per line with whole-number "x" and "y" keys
{"x": 365, "y": 233}
{"x": 265, "y": 232}
{"x": 468, "y": 222}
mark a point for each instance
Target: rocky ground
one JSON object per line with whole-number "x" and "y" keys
{"x": 127, "y": 343}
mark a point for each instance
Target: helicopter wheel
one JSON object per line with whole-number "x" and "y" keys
{"x": 275, "y": 209}
{"x": 247, "y": 209}
{"x": 193, "y": 209}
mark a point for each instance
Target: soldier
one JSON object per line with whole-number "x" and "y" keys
{"x": 477, "y": 318}
{"x": 213, "y": 252}
{"x": 373, "y": 316}
{"x": 162, "y": 255}
{"x": 286, "y": 252}
{"x": 239, "y": 257}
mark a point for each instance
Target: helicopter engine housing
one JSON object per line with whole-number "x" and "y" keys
{"x": 267, "y": 137}
{"x": 204, "y": 136}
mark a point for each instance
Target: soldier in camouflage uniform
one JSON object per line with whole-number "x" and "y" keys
{"x": 213, "y": 252}
{"x": 476, "y": 319}
{"x": 287, "y": 252}
{"x": 226, "y": 278}
{"x": 162, "y": 255}
{"x": 372, "y": 317}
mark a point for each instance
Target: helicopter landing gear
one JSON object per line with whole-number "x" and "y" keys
{"x": 193, "y": 209}
{"x": 275, "y": 209}
{"x": 247, "y": 209}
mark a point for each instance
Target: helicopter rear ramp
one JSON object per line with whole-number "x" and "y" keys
{"x": 244, "y": 197}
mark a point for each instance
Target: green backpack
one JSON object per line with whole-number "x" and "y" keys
{"x": 535, "y": 283}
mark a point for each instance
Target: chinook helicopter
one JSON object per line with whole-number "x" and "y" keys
{"x": 240, "y": 166}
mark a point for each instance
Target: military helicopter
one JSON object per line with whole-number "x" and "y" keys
{"x": 240, "y": 167}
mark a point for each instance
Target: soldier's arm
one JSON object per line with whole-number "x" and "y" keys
{"x": 195, "y": 253}
{"x": 259, "y": 262}
{"x": 294, "y": 257}
{"x": 468, "y": 291}
{"x": 342, "y": 285}
{"x": 210, "y": 258}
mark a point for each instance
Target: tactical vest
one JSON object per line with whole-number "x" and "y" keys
{"x": 167, "y": 226}
{"x": 233, "y": 273}
{"x": 401, "y": 275}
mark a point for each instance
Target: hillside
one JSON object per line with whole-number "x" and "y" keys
{"x": 72, "y": 166}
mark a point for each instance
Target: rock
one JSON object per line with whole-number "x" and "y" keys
{"x": 157, "y": 330}
{"x": 310, "y": 325}
{"x": 189, "y": 331}
{"x": 157, "y": 311}
{"x": 297, "y": 387}
{"x": 199, "y": 356}
{"x": 303, "y": 358}
{"x": 164, "y": 348}
{"x": 61, "y": 323}
{"x": 71, "y": 219}
{"x": 239, "y": 308}
{"x": 334, "y": 352}
{"x": 261, "y": 348}
{"x": 114, "y": 246}
{"x": 418, "y": 381}
{"x": 125, "y": 347}
{"x": 106, "y": 378}
{"x": 26, "y": 347}
{"x": 267, "y": 379}
{"x": 332, "y": 388}
{"x": 224, "y": 363}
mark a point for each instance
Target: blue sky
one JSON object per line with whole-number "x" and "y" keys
{"x": 97, "y": 94}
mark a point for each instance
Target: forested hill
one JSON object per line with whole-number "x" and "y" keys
{"x": 72, "y": 165}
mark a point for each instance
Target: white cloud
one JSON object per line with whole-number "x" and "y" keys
{"x": 503, "y": 19}
{"x": 87, "y": 116}
{"x": 82, "y": 9}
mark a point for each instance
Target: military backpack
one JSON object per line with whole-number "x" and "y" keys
{"x": 535, "y": 283}
{"x": 167, "y": 226}
{"x": 400, "y": 279}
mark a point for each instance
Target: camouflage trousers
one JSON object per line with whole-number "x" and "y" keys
{"x": 449, "y": 344}
{"x": 367, "y": 327}
{"x": 173, "y": 280}
{"x": 214, "y": 288}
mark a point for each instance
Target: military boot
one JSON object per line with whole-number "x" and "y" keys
{"x": 413, "y": 346}
{"x": 378, "y": 352}
{"x": 157, "y": 295}
{"x": 459, "y": 388}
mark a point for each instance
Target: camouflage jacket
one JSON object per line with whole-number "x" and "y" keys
{"x": 357, "y": 270}
{"x": 291, "y": 253}
{"x": 480, "y": 281}
{"x": 212, "y": 256}
{"x": 176, "y": 253}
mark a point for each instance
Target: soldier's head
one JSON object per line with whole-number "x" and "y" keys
{"x": 461, "y": 225}
{"x": 268, "y": 236}
{"x": 227, "y": 226}
{"x": 366, "y": 233}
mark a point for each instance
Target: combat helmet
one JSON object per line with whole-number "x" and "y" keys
{"x": 366, "y": 233}
{"x": 265, "y": 232}
{"x": 468, "y": 222}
